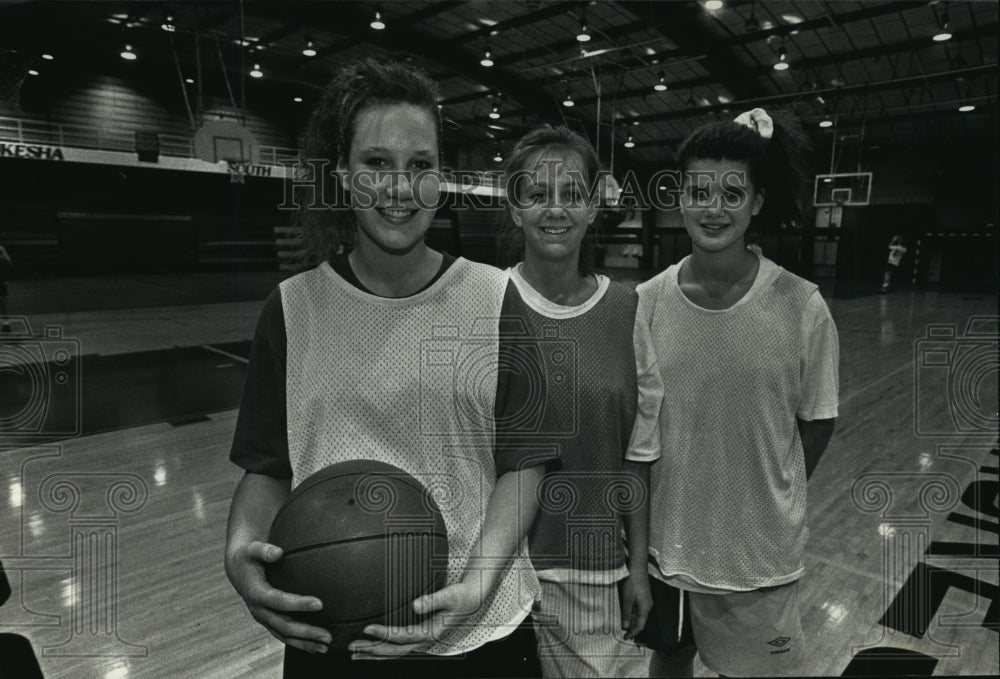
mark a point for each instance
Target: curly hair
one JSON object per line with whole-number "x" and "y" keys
{"x": 778, "y": 167}
{"x": 546, "y": 138}
{"x": 354, "y": 88}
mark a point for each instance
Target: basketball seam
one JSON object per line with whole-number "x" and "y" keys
{"x": 378, "y": 615}
{"x": 345, "y": 541}
{"x": 418, "y": 485}
{"x": 300, "y": 490}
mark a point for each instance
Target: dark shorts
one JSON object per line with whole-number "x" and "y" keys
{"x": 513, "y": 656}
{"x": 668, "y": 628}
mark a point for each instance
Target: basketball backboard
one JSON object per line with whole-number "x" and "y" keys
{"x": 851, "y": 188}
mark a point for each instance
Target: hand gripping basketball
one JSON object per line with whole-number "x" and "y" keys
{"x": 448, "y": 606}
{"x": 272, "y": 607}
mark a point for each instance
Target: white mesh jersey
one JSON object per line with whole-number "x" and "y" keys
{"x": 728, "y": 495}
{"x": 410, "y": 382}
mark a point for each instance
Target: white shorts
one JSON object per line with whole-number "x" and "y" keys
{"x": 755, "y": 633}
{"x": 579, "y": 632}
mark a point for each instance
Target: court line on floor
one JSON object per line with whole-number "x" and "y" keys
{"x": 897, "y": 582}
{"x": 848, "y": 398}
{"x": 225, "y": 353}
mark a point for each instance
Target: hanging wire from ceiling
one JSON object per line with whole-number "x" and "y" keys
{"x": 180, "y": 81}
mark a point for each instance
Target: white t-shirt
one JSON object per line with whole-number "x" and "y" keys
{"x": 728, "y": 495}
{"x": 896, "y": 253}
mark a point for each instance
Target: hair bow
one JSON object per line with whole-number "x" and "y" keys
{"x": 758, "y": 120}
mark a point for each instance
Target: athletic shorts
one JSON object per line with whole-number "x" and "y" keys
{"x": 579, "y": 632}
{"x": 755, "y": 633}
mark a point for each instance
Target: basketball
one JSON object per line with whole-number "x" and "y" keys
{"x": 364, "y": 537}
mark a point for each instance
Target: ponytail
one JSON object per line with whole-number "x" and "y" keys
{"x": 786, "y": 172}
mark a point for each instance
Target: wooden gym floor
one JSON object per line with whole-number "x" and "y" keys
{"x": 113, "y": 539}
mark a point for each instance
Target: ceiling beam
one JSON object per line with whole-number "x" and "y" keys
{"x": 854, "y": 122}
{"x": 827, "y": 21}
{"x": 828, "y": 92}
{"x": 904, "y": 47}
{"x": 682, "y": 23}
{"x": 550, "y": 10}
{"x": 358, "y": 25}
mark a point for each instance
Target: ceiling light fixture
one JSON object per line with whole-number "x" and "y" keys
{"x": 568, "y": 101}
{"x": 498, "y": 157}
{"x": 826, "y": 122}
{"x": 34, "y": 72}
{"x": 943, "y": 34}
{"x": 128, "y": 54}
{"x": 583, "y": 35}
{"x": 965, "y": 108}
{"x": 309, "y": 51}
{"x": 256, "y": 72}
{"x": 168, "y": 24}
{"x": 377, "y": 22}
{"x": 661, "y": 85}
{"x": 629, "y": 143}
{"x": 781, "y": 64}
{"x": 487, "y": 59}
{"x": 48, "y": 57}
{"x": 495, "y": 113}
{"x": 713, "y": 5}
{"x": 189, "y": 81}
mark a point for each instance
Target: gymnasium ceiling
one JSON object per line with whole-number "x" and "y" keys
{"x": 870, "y": 67}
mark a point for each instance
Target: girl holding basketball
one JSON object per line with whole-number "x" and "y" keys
{"x": 337, "y": 373}
{"x": 583, "y": 323}
{"x": 747, "y": 356}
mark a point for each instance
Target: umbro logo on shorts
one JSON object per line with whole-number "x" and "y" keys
{"x": 779, "y": 642}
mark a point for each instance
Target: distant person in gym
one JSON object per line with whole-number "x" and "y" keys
{"x": 337, "y": 373}
{"x": 748, "y": 355}
{"x": 897, "y": 248}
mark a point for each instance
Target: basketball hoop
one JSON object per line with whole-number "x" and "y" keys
{"x": 847, "y": 189}
{"x": 13, "y": 71}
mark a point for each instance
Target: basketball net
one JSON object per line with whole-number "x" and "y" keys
{"x": 237, "y": 171}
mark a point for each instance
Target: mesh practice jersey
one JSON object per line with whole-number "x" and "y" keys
{"x": 412, "y": 382}
{"x": 728, "y": 501}
{"x": 587, "y": 409}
